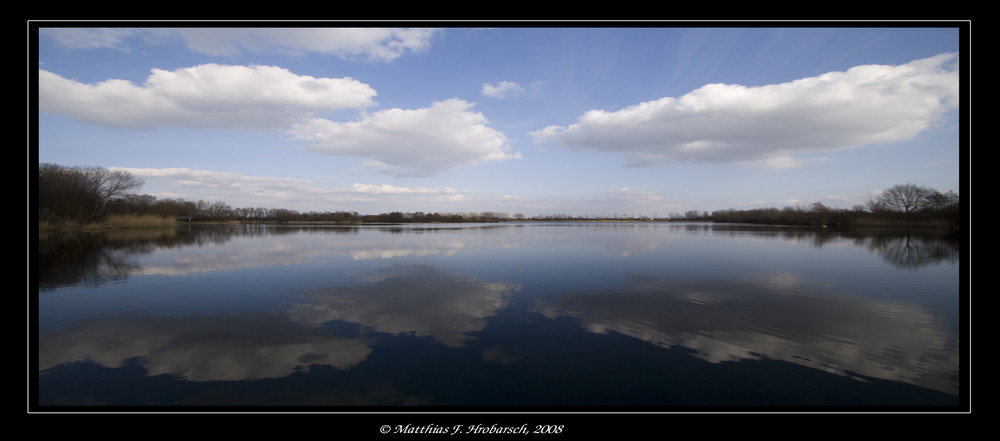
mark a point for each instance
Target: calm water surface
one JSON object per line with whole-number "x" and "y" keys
{"x": 620, "y": 315}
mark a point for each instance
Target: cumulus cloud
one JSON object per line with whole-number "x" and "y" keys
{"x": 411, "y": 142}
{"x": 769, "y": 125}
{"x": 502, "y": 89}
{"x": 204, "y": 96}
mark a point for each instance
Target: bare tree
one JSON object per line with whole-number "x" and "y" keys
{"x": 80, "y": 193}
{"x": 904, "y": 198}
{"x": 108, "y": 184}
{"x": 943, "y": 201}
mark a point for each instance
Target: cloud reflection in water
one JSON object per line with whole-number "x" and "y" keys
{"x": 201, "y": 347}
{"x": 754, "y": 319}
{"x": 411, "y": 299}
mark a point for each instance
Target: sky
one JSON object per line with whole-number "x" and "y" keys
{"x": 591, "y": 120}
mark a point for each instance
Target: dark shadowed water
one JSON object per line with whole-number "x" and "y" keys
{"x": 647, "y": 316}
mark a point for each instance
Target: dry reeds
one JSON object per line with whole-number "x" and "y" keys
{"x": 138, "y": 221}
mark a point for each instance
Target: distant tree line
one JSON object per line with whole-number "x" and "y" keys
{"x": 905, "y": 204}
{"x": 91, "y": 194}
{"x": 83, "y": 195}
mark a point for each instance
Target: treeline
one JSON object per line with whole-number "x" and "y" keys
{"x": 91, "y": 195}
{"x": 820, "y": 215}
{"x": 77, "y": 195}
{"x": 900, "y": 205}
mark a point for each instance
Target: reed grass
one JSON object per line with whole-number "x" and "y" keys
{"x": 138, "y": 221}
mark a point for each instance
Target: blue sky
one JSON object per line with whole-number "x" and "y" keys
{"x": 596, "y": 120}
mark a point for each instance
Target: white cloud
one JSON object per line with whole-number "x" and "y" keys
{"x": 393, "y": 189}
{"x": 90, "y": 38}
{"x": 240, "y": 189}
{"x": 187, "y": 177}
{"x": 389, "y": 192}
{"x": 371, "y": 44}
{"x": 770, "y": 124}
{"x": 625, "y": 194}
{"x": 205, "y": 96}
{"x": 502, "y": 90}
{"x": 418, "y": 142}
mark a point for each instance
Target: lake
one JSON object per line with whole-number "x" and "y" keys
{"x": 609, "y": 316}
